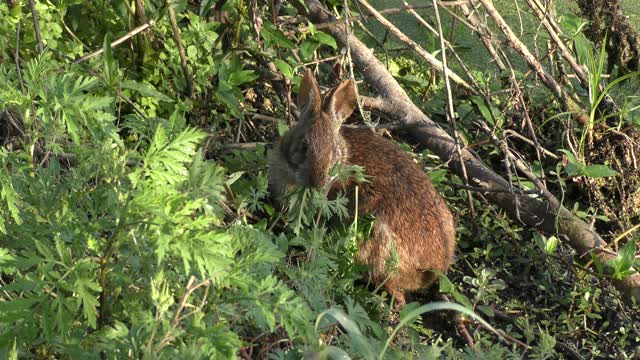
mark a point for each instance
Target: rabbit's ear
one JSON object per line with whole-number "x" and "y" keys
{"x": 341, "y": 101}
{"x": 309, "y": 101}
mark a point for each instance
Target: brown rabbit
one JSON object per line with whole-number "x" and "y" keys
{"x": 409, "y": 212}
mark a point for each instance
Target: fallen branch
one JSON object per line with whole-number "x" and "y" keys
{"x": 396, "y": 104}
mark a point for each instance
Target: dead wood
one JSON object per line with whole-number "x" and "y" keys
{"x": 534, "y": 64}
{"x": 395, "y": 104}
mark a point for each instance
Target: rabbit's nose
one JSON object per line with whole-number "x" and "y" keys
{"x": 317, "y": 178}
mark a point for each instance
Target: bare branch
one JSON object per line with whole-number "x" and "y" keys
{"x": 117, "y": 42}
{"x": 36, "y": 25}
{"x": 415, "y": 46}
{"x": 451, "y": 112}
{"x": 534, "y": 64}
{"x": 566, "y": 54}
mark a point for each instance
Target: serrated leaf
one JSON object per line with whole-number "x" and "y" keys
{"x": 10, "y": 197}
{"x": 166, "y": 162}
{"x": 598, "y": 171}
{"x": 86, "y": 299}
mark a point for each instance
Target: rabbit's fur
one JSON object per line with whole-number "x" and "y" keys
{"x": 409, "y": 212}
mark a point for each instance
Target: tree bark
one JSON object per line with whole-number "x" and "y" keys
{"x": 394, "y": 103}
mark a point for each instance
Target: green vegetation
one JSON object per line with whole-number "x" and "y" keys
{"x": 134, "y": 225}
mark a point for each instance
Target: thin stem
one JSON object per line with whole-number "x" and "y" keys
{"x": 414, "y": 46}
{"x": 450, "y": 110}
{"x": 36, "y": 26}
{"x": 178, "y": 40}
{"x": 117, "y": 42}
{"x": 17, "y": 54}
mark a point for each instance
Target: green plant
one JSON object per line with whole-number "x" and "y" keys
{"x": 131, "y": 225}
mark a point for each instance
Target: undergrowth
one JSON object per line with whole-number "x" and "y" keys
{"x": 131, "y": 226}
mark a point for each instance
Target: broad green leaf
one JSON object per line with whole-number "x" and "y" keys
{"x": 307, "y": 48}
{"x": 551, "y": 244}
{"x": 145, "y": 89}
{"x": 437, "y": 176}
{"x": 623, "y": 262}
{"x": 325, "y": 38}
{"x": 573, "y": 166}
{"x": 240, "y": 77}
{"x": 284, "y": 68}
{"x": 486, "y": 112}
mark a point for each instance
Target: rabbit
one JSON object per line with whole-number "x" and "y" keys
{"x": 410, "y": 214}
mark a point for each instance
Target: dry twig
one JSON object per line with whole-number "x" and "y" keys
{"x": 534, "y": 64}
{"x": 190, "y": 288}
{"x": 115, "y": 43}
{"x": 451, "y": 113}
{"x": 415, "y": 46}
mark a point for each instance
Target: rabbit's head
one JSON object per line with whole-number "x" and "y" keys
{"x": 314, "y": 145}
